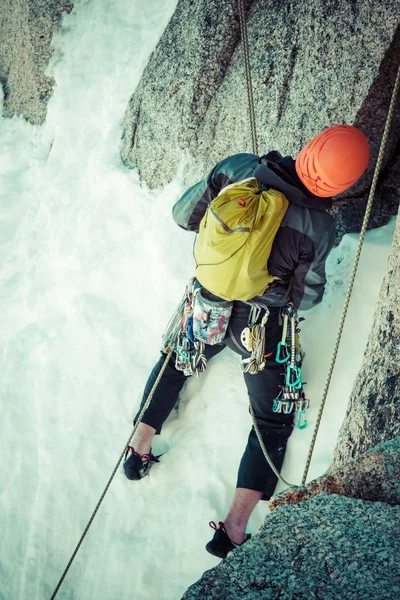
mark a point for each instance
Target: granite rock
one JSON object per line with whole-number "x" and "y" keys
{"x": 26, "y": 29}
{"x": 373, "y": 412}
{"x": 373, "y": 476}
{"x": 326, "y": 548}
{"x": 313, "y": 64}
{"x": 165, "y": 114}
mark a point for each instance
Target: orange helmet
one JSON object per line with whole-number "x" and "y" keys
{"x": 333, "y": 160}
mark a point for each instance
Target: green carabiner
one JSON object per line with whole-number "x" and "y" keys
{"x": 296, "y": 384}
{"x": 300, "y": 424}
{"x": 278, "y": 353}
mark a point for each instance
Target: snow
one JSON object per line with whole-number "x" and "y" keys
{"x": 91, "y": 268}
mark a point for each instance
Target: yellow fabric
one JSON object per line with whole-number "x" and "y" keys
{"x": 233, "y": 264}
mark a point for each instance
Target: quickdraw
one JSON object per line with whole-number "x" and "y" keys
{"x": 289, "y": 354}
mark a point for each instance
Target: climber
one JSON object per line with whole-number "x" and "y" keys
{"x": 328, "y": 165}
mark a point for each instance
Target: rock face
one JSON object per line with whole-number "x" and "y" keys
{"x": 336, "y": 534}
{"x": 373, "y": 476}
{"x": 373, "y": 413}
{"x": 326, "y": 548}
{"x": 178, "y": 87}
{"x": 26, "y": 29}
{"x": 313, "y": 64}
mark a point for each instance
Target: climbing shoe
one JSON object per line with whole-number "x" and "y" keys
{"x": 137, "y": 466}
{"x": 221, "y": 544}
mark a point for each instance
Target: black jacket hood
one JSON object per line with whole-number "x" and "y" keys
{"x": 279, "y": 172}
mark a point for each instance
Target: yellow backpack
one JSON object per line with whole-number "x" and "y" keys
{"x": 235, "y": 240}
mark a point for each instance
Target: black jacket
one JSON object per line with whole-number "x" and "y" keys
{"x": 302, "y": 243}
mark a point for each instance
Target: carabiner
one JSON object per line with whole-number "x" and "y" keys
{"x": 276, "y": 407}
{"x": 255, "y": 312}
{"x": 300, "y": 424}
{"x": 287, "y": 407}
{"x": 291, "y": 382}
{"x": 278, "y": 353}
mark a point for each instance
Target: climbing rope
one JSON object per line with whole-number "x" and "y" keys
{"x": 145, "y": 406}
{"x": 356, "y": 261}
{"x": 265, "y": 452}
{"x": 243, "y": 31}
{"x": 245, "y": 43}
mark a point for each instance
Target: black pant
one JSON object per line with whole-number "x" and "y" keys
{"x": 263, "y": 388}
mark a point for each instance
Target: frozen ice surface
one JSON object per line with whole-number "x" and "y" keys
{"x": 91, "y": 268}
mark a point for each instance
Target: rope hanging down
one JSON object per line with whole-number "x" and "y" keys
{"x": 354, "y": 271}
{"x": 243, "y": 31}
{"x": 145, "y": 406}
